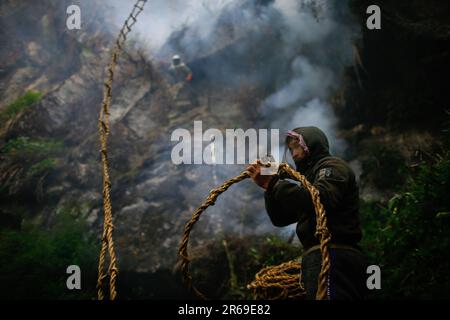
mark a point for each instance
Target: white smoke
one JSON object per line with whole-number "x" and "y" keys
{"x": 316, "y": 37}
{"x": 305, "y": 27}
{"x": 161, "y": 18}
{"x": 310, "y": 81}
{"x": 313, "y": 40}
{"x": 322, "y": 46}
{"x": 319, "y": 113}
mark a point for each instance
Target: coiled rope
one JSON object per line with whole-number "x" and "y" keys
{"x": 322, "y": 232}
{"x": 103, "y": 128}
{"x": 279, "y": 282}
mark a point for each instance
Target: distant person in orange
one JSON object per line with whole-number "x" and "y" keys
{"x": 179, "y": 71}
{"x": 181, "y": 76}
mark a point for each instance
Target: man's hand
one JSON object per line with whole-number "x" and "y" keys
{"x": 255, "y": 173}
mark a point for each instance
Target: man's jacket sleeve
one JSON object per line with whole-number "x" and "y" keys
{"x": 332, "y": 187}
{"x": 287, "y": 202}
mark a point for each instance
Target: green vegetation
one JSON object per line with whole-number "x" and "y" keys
{"x": 34, "y": 261}
{"x": 212, "y": 272}
{"x": 408, "y": 237}
{"x": 20, "y": 104}
{"x": 24, "y": 146}
{"x": 42, "y": 166}
{"x": 384, "y": 167}
{"x": 36, "y": 156}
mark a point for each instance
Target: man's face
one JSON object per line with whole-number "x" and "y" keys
{"x": 296, "y": 151}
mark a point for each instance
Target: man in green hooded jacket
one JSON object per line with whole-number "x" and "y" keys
{"x": 288, "y": 203}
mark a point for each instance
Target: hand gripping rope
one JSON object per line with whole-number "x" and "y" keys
{"x": 266, "y": 277}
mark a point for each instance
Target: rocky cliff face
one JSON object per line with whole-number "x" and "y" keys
{"x": 152, "y": 198}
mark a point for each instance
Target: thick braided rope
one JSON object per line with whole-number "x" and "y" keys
{"x": 103, "y": 127}
{"x": 278, "y": 282}
{"x": 321, "y": 231}
{"x": 183, "y": 250}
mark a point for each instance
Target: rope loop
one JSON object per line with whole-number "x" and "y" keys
{"x": 322, "y": 232}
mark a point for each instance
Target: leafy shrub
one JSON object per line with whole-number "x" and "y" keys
{"x": 212, "y": 263}
{"x": 409, "y": 239}
{"x": 41, "y": 166}
{"x": 34, "y": 261}
{"x": 384, "y": 167}
{"x": 20, "y": 104}
{"x": 24, "y": 146}
{"x": 37, "y": 156}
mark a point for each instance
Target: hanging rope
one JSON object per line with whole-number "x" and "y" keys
{"x": 103, "y": 127}
{"x": 322, "y": 232}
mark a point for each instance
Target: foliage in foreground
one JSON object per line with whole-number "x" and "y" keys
{"x": 409, "y": 236}
{"x": 34, "y": 261}
{"x": 20, "y": 104}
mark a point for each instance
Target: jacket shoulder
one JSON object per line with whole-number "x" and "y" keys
{"x": 336, "y": 165}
